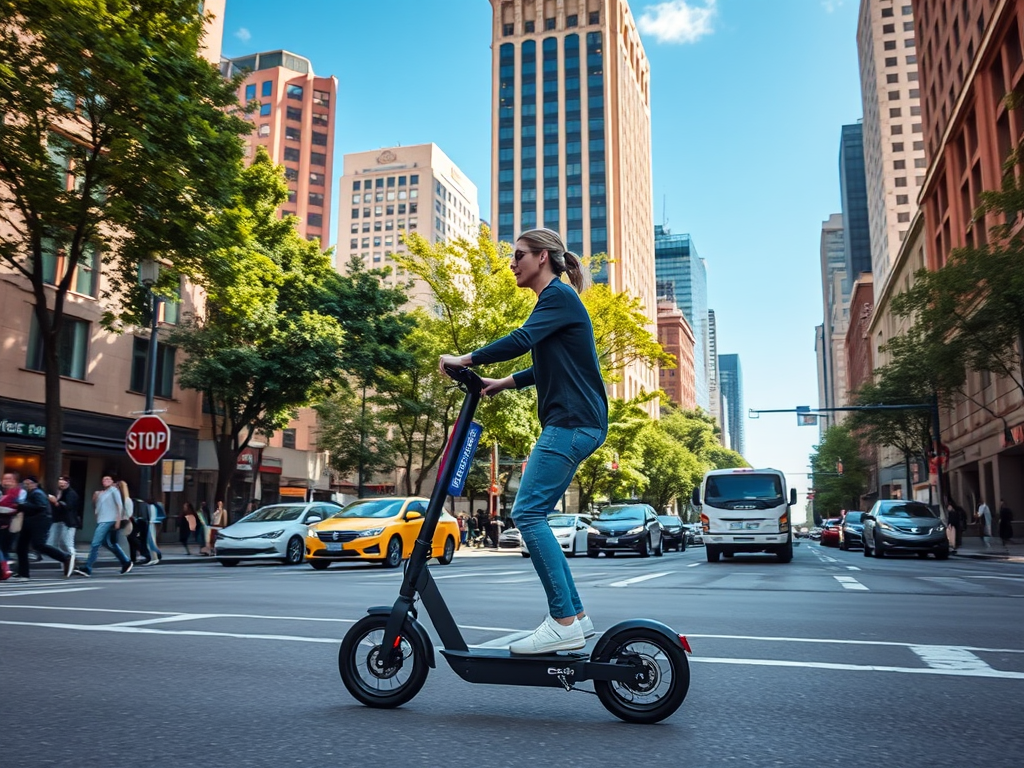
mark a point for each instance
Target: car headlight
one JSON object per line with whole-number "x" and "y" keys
{"x": 370, "y": 532}
{"x": 272, "y": 535}
{"x": 884, "y": 526}
{"x": 939, "y": 528}
{"x": 638, "y": 529}
{"x": 312, "y": 533}
{"x": 592, "y": 529}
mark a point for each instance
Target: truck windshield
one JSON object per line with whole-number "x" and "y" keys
{"x": 723, "y": 489}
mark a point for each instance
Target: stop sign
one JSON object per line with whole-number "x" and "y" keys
{"x": 147, "y": 440}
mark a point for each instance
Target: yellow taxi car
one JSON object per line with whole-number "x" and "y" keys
{"x": 381, "y": 530}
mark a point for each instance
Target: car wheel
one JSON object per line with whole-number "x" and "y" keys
{"x": 393, "y": 556}
{"x": 228, "y": 563}
{"x": 449, "y": 551}
{"x": 293, "y": 553}
{"x": 867, "y": 552}
{"x": 320, "y": 565}
{"x": 785, "y": 553}
{"x": 942, "y": 554}
{"x": 877, "y": 551}
{"x": 661, "y": 548}
{"x": 712, "y": 553}
{"x": 728, "y": 555}
{"x": 923, "y": 555}
{"x": 609, "y": 553}
{"x": 592, "y": 553}
{"x": 843, "y": 546}
{"x": 645, "y": 548}
{"x": 525, "y": 554}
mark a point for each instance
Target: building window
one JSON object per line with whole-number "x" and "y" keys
{"x": 264, "y": 110}
{"x": 315, "y": 219}
{"x": 318, "y": 159}
{"x": 892, "y": 78}
{"x": 899, "y": 165}
{"x": 903, "y": 218}
{"x": 886, "y": 13}
{"x": 897, "y": 130}
{"x": 294, "y": 92}
{"x": 292, "y": 196}
{"x": 897, "y": 146}
{"x": 321, "y": 98}
{"x": 164, "y": 384}
{"x": 250, "y": 92}
{"x": 288, "y": 438}
{"x": 264, "y": 131}
{"x": 889, "y": 45}
{"x": 267, "y": 88}
{"x": 594, "y": 17}
{"x": 316, "y": 198}
{"x": 319, "y": 139}
{"x": 316, "y": 179}
{"x": 291, "y": 174}
{"x": 414, "y": 179}
{"x": 292, "y": 134}
{"x": 572, "y": 21}
{"x": 549, "y": 23}
{"x": 901, "y": 181}
{"x": 321, "y": 119}
{"x": 72, "y": 347}
{"x": 355, "y": 186}
{"x": 291, "y": 154}
{"x": 919, "y": 146}
{"x": 507, "y": 30}
{"x": 293, "y": 113}
{"x": 376, "y": 226}
{"x": 530, "y": 27}
{"x": 888, "y": 29}
{"x": 890, "y": 61}
{"x": 906, "y": 10}
{"x": 902, "y": 199}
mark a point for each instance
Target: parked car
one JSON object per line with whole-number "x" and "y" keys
{"x": 674, "y": 533}
{"x": 851, "y": 530}
{"x": 694, "y": 535}
{"x": 625, "y": 528}
{"x": 815, "y": 533}
{"x": 830, "y": 532}
{"x": 570, "y": 532}
{"x": 510, "y": 538}
{"x": 895, "y": 525}
{"x": 274, "y": 532}
{"x": 381, "y": 530}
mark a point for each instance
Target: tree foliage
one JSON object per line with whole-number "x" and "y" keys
{"x": 117, "y": 140}
{"x": 621, "y": 332}
{"x": 834, "y": 491}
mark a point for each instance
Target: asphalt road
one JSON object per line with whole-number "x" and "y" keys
{"x": 833, "y": 659}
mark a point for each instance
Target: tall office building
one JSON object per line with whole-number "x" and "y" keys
{"x": 682, "y": 279}
{"x": 571, "y": 133}
{"x": 676, "y": 338}
{"x": 294, "y": 120}
{"x": 894, "y": 161}
{"x": 835, "y": 301}
{"x": 387, "y": 192}
{"x": 854, "y": 197}
{"x": 714, "y": 387}
{"x": 732, "y": 396}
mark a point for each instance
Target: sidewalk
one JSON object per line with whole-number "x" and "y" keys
{"x": 973, "y": 547}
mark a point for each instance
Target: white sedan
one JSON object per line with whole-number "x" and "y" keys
{"x": 570, "y": 532}
{"x": 274, "y": 532}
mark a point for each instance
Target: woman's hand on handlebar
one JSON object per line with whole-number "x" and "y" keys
{"x": 494, "y": 386}
{"x": 454, "y": 361}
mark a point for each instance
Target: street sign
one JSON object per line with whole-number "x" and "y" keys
{"x": 147, "y": 440}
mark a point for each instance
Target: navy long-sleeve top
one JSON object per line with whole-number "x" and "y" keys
{"x": 566, "y": 372}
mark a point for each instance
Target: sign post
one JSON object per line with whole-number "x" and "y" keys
{"x": 147, "y": 440}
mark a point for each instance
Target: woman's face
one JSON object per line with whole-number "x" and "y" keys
{"x": 529, "y": 264}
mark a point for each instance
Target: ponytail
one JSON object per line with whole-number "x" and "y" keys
{"x": 579, "y": 276}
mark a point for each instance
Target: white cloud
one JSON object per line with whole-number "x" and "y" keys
{"x": 243, "y": 34}
{"x": 831, "y": 5}
{"x": 678, "y": 21}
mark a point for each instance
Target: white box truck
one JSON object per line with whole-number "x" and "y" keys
{"x": 745, "y": 510}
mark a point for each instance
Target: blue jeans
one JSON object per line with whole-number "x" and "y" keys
{"x": 106, "y": 536}
{"x": 550, "y": 470}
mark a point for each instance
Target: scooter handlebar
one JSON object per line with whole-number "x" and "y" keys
{"x": 464, "y": 376}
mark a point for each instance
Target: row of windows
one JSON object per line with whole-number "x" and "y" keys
{"x": 894, "y": 77}
{"x": 550, "y": 23}
{"x": 389, "y": 225}
{"x": 73, "y": 353}
{"x": 892, "y": 61}
{"x": 890, "y": 45}
{"x": 380, "y": 197}
{"x": 915, "y": 110}
{"x": 379, "y": 210}
{"x": 905, "y": 10}
{"x": 890, "y": 29}
{"x": 913, "y": 93}
{"x": 898, "y": 146}
{"x": 389, "y": 181}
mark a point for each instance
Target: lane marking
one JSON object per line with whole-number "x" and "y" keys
{"x": 852, "y": 568}
{"x": 518, "y": 580}
{"x": 638, "y": 579}
{"x": 478, "y": 573}
{"x": 46, "y": 591}
{"x": 693, "y": 565}
{"x": 849, "y": 582}
{"x": 165, "y": 619}
{"x": 179, "y": 632}
{"x": 950, "y": 657}
{"x": 991, "y": 673}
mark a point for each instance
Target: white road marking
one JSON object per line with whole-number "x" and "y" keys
{"x": 950, "y": 657}
{"x": 479, "y": 573}
{"x": 45, "y": 591}
{"x": 519, "y": 580}
{"x": 638, "y": 579}
{"x": 862, "y": 667}
{"x": 849, "y": 582}
{"x": 693, "y": 565}
{"x": 852, "y": 568}
{"x": 165, "y": 619}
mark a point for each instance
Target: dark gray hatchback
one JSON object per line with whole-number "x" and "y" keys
{"x": 895, "y": 525}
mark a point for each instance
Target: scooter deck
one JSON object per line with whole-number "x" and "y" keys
{"x": 557, "y": 670}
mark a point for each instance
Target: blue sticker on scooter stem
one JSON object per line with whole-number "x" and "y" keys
{"x": 465, "y": 459}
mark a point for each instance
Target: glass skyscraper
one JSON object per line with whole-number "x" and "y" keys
{"x": 732, "y": 394}
{"x": 682, "y": 278}
{"x": 853, "y": 189}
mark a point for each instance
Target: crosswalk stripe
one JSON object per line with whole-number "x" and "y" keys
{"x": 849, "y": 582}
{"x": 638, "y": 579}
{"x": 950, "y": 658}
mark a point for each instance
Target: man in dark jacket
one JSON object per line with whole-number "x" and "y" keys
{"x": 67, "y": 517}
{"x": 36, "y": 508}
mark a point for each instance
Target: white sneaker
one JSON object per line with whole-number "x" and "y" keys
{"x": 587, "y": 626}
{"x": 550, "y": 636}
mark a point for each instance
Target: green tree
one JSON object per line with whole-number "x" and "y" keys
{"x": 835, "y": 490}
{"x": 117, "y": 144}
{"x": 269, "y": 340}
{"x": 621, "y": 332}
{"x": 615, "y": 470}
{"x": 671, "y": 470}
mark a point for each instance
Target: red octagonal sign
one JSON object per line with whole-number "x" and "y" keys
{"x": 147, "y": 440}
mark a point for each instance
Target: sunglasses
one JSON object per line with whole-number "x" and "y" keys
{"x": 518, "y": 255}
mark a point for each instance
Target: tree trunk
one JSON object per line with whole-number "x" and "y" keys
{"x": 227, "y": 462}
{"x": 54, "y": 413}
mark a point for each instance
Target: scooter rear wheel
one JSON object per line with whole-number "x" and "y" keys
{"x": 668, "y": 676}
{"x": 363, "y": 670}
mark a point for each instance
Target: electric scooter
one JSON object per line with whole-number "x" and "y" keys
{"x": 639, "y": 667}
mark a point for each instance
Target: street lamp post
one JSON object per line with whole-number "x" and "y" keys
{"x": 149, "y": 273}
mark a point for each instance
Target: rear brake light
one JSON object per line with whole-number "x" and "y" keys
{"x": 686, "y": 643}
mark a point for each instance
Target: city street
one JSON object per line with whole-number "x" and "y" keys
{"x": 834, "y": 659}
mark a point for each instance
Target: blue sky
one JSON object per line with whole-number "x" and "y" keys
{"x": 747, "y": 100}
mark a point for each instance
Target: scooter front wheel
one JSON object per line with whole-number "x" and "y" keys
{"x": 664, "y": 686}
{"x": 369, "y": 677}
